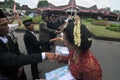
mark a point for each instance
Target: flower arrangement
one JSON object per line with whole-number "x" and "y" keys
{"x": 77, "y": 30}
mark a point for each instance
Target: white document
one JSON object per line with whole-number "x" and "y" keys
{"x": 61, "y": 73}
{"x": 68, "y": 76}
{"x": 61, "y": 50}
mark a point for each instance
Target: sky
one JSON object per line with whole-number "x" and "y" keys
{"x": 113, "y": 4}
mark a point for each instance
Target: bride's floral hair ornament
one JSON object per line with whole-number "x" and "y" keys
{"x": 77, "y": 31}
{"x": 78, "y": 34}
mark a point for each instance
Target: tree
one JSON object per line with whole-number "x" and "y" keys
{"x": 42, "y": 3}
{"x": 18, "y": 6}
{"x": 10, "y": 4}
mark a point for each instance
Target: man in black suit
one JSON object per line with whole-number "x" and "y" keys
{"x": 32, "y": 45}
{"x": 45, "y": 32}
{"x": 10, "y": 61}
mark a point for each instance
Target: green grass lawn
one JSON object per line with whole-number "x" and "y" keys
{"x": 101, "y": 30}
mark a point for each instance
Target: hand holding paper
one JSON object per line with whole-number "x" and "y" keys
{"x": 51, "y": 56}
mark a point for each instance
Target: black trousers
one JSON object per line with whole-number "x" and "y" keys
{"x": 23, "y": 76}
{"x": 35, "y": 71}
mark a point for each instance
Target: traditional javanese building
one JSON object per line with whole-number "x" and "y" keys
{"x": 84, "y": 12}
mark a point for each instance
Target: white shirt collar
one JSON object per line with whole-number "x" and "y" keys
{"x": 4, "y": 39}
{"x": 32, "y": 32}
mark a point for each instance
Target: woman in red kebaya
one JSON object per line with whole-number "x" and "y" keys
{"x": 82, "y": 63}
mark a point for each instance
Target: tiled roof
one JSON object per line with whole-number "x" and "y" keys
{"x": 93, "y": 7}
{"x": 72, "y": 2}
{"x": 84, "y": 8}
{"x": 50, "y": 5}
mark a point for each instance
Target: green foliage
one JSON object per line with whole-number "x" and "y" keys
{"x": 114, "y": 27}
{"x": 10, "y": 4}
{"x": 26, "y": 17}
{"x": 37, "y": 20}
{"x": 18, "y": 6}
{"x": 101, "y": 30}
{"x": 42, "y": 3}
{"x": 100, "y": 22}
{"x": 90, "y": 20}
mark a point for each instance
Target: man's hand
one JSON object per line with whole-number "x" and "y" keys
{"x": 50, "y": 55}
{"x": 56, "y": 39}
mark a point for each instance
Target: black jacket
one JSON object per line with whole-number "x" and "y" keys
{"x": 45, "y": 31}
{"x": 11, "y": 59}
{"x": 32, "y": 44}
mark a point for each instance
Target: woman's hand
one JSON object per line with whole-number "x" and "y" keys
{"x": 56, "y": 39}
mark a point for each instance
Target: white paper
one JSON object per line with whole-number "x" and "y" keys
{"x": 68, "y": 76}
{"x": 61, "y": 73}
{"x": 61, "y": 50}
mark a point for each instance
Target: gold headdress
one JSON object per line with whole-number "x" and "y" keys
{"x": 77, "y": 30}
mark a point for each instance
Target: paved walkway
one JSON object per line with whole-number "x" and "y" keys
{"x": 114, "y": 22}
{"x": 107, "y": 52}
